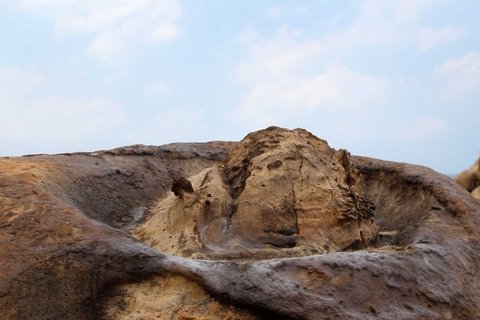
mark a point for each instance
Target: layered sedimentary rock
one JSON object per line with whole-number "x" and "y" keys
{"x": 277, "y": 226}
{"x": 470, "y": 179}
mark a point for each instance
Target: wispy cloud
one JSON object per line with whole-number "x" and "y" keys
{"x": 277, "y": 11}
{"x": 422, "y": 129}
{"x": 158, "y": 90}
{"x": 19, "y": 81}
{"x": 460, "y": 77}
{"x": 279, "y": 55}
{"x": 36, "y": 118}
{"x": 430, "y": 38}
{"x": 171, "y": 125}
{"x": 392, "y": 23}
{"x": 293, "y": 74}
{"x": 289, "y": 77}
{"x": 114, "y": 27}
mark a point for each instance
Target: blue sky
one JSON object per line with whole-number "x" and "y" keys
{"x": 396, "y": 80}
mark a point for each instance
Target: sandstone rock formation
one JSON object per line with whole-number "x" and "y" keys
{"x": 278, "y": 226}
{"x": 470, "y": 179}
{"x": 279, "y": 192}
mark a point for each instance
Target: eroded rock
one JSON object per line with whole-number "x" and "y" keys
{"x": 277, "y": 190}
{"x": 180, "y": 186}
{"x": 470, "y": 179}
{"x": 66, "y": 252}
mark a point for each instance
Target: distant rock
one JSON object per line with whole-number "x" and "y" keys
{"x": 470, "y": 179}
{"x": 476, "y": 192}
{"x": 277, "y": 226}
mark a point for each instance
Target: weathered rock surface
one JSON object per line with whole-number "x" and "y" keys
{"x": 279, "y": 193}
{"x": 470, "y": 179}
{"x": 100, "y": 235}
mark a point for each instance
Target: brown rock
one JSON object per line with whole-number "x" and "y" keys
{"x": 470, "y": 179}
{"x": 313, "y": 202}
{"x": 180, "y": 186}
{"x": 476, "y": 192}
{"x": 65, "y": 252}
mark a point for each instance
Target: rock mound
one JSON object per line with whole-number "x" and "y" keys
{"x": 278, "y": 189}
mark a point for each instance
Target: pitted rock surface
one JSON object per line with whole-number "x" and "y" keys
{"x": 77, "y": 236}
{"x": 277, "y": 190}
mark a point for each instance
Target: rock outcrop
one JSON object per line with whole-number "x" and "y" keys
{"x": 277, "y": 226}
{"x": 279, "y": 193}
{"x": 470, "y": 179}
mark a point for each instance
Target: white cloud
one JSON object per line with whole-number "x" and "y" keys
{"x": 109, "y": 48}
{"x": 115, "y": 26}
{"x": 285, "y": 81}
{"x": 422, "y": 129}
{"x": 280, "y": 55}
{"x": 338, "y": 89}
{"x": 277, "y": 11}
{"x": 33, "y": 117}
{"x": 165, "y": 32}
{"x": 430, "y": 38}
{"x": 291, "y": 75}
{"x": 274, "y": 11}
{"x": 171, "y": 125}
{"x": 336, "y": 18}
{"x": 15, "y": 80}
{"x": 60, "y": 119}
{"x": 378, "y": 23}
{"x": 460, "y": 78}
{"x": 158, "y": 90}
{"x": 398, "y": 12}
{"x": 391, "y": 23}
